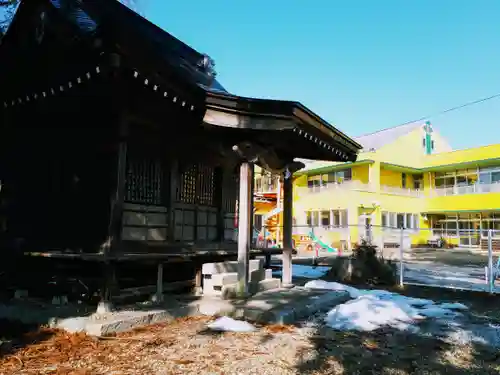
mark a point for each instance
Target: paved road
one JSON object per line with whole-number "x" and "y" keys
{"x": 451, "y": 268}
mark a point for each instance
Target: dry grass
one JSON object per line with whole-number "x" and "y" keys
{"x": 186, "y": 347}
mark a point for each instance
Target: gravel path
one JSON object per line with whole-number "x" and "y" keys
{"x": 185, "y": 346}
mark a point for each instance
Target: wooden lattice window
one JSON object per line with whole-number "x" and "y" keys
{"x": 144, "y": 181}
{"x": 230, "y": 192}
{"x": 206, "y": 185}
{"x": 197, "y": 185}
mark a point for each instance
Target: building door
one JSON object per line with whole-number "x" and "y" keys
{"x": 469, "y": 231}
{"x": 365, "y": 229}
{"x": 464, "y": 233}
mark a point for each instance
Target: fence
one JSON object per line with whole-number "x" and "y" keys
{"x": 459, "y": 258}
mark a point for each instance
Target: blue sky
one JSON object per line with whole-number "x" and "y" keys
{"x": 363, "y": 65}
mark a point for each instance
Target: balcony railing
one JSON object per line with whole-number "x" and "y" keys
{"x": 401, "y": 191}
{"x": 346, "y": 185}
{"x": 265, "y": 186}
{"x": 468, "y": 189}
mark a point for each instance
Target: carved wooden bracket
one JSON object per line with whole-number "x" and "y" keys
{"x": 266, "y": 158}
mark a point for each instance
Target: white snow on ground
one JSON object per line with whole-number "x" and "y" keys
{"x": 227, "y": 324}
{"x": 373, "y": 309}
{"x": 307, "y": 272}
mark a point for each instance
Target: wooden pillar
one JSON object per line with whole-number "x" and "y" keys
{"x": 198, "y": 280}
{"x": 159, "y": 283}
{"x": 174, "y": 178}
{"x": 278, "y": 206}
{"x": 287, "y": 231}
{"x": 108, "y": 287}
{"x": 245, "y": 213}
{"x": 116, "y": 216}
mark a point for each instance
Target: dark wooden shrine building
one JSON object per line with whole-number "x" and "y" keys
{"x": 117, "y": 139}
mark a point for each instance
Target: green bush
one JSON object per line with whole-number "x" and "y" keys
{"x": 365, "y": 266}
{"x": 368, "y": 267}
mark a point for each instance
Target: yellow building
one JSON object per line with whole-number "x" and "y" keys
{"x": 407, "y": 176}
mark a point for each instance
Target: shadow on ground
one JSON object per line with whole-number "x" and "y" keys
{"x": 15, "y": 335}
{"x": 391, "y": 351}
{"x": 394, "y": 352}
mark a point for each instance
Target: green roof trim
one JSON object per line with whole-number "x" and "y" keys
{"x": 444, "y": 167}
{"x": 438, "y": 212}
{"x": 463, "y": 165}
{"x": 400, "y": 168}
{"x": 332, "y": 168}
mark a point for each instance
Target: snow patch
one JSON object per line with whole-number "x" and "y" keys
{"x": 373, "y": 309}
{"x": 227, "y": 324}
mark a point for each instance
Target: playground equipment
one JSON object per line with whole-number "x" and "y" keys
{"x": 312, "y": 243}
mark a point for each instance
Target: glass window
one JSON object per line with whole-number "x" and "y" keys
{"x": 315, "y": 218}
{"x": 308, "y": 218}
{"x": 385, "y": 219}
{"x": 400, "y": 220}
{"x": 451, "y": 228}
{"x": 257, "y": 222}
{"x": 324, "y": 179}
{"x": 403, "y": 180}
{"x": 325, "y": 218}
{"x": 339, "y": 176}
{"x": 343, "y": 217}
{"x": 485, "y": 178}
{"x": 336, "y": 218}
{"x": 493, "y": 225}
{"x": 314, "y": 182}
{"x": 409, "y": 221}
{"x": 416, "y": 218}
{"x": 347, "y": 174}
{"x": 332, "y": 178}
{"x": 392, "y": 220}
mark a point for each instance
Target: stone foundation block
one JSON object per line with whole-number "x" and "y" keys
{"x": 229, "y": 267}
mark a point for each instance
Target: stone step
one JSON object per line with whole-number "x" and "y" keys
{"x": 232, "y": 277}
{"x": 231, "y": 291}
{"x": 212, "y": 284}
{"x": 229, "y": 267}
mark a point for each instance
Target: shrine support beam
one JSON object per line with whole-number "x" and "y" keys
{"x": 245, "y": 211}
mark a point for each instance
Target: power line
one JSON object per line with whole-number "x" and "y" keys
{"x": 453, "y": 109}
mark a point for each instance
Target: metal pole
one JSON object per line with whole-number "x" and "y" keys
{"x": 314, "y": 249}
{"x": 491, "y": 281}
{"x": 401, "y": 255}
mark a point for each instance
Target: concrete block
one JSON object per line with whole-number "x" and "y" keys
{"x": 231, "y": 291}
{"x": 229, "y": 267}
{"x": 268, "y": 274}
{"x": 232, "y": 278}
{"x": 293, "y": 306}
{"x": 213, "y": 286}
{"x": 99, "y": 325}
{"x": 20, "y": 293}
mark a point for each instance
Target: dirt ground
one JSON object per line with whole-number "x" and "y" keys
{"x": 185, "y": 346}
